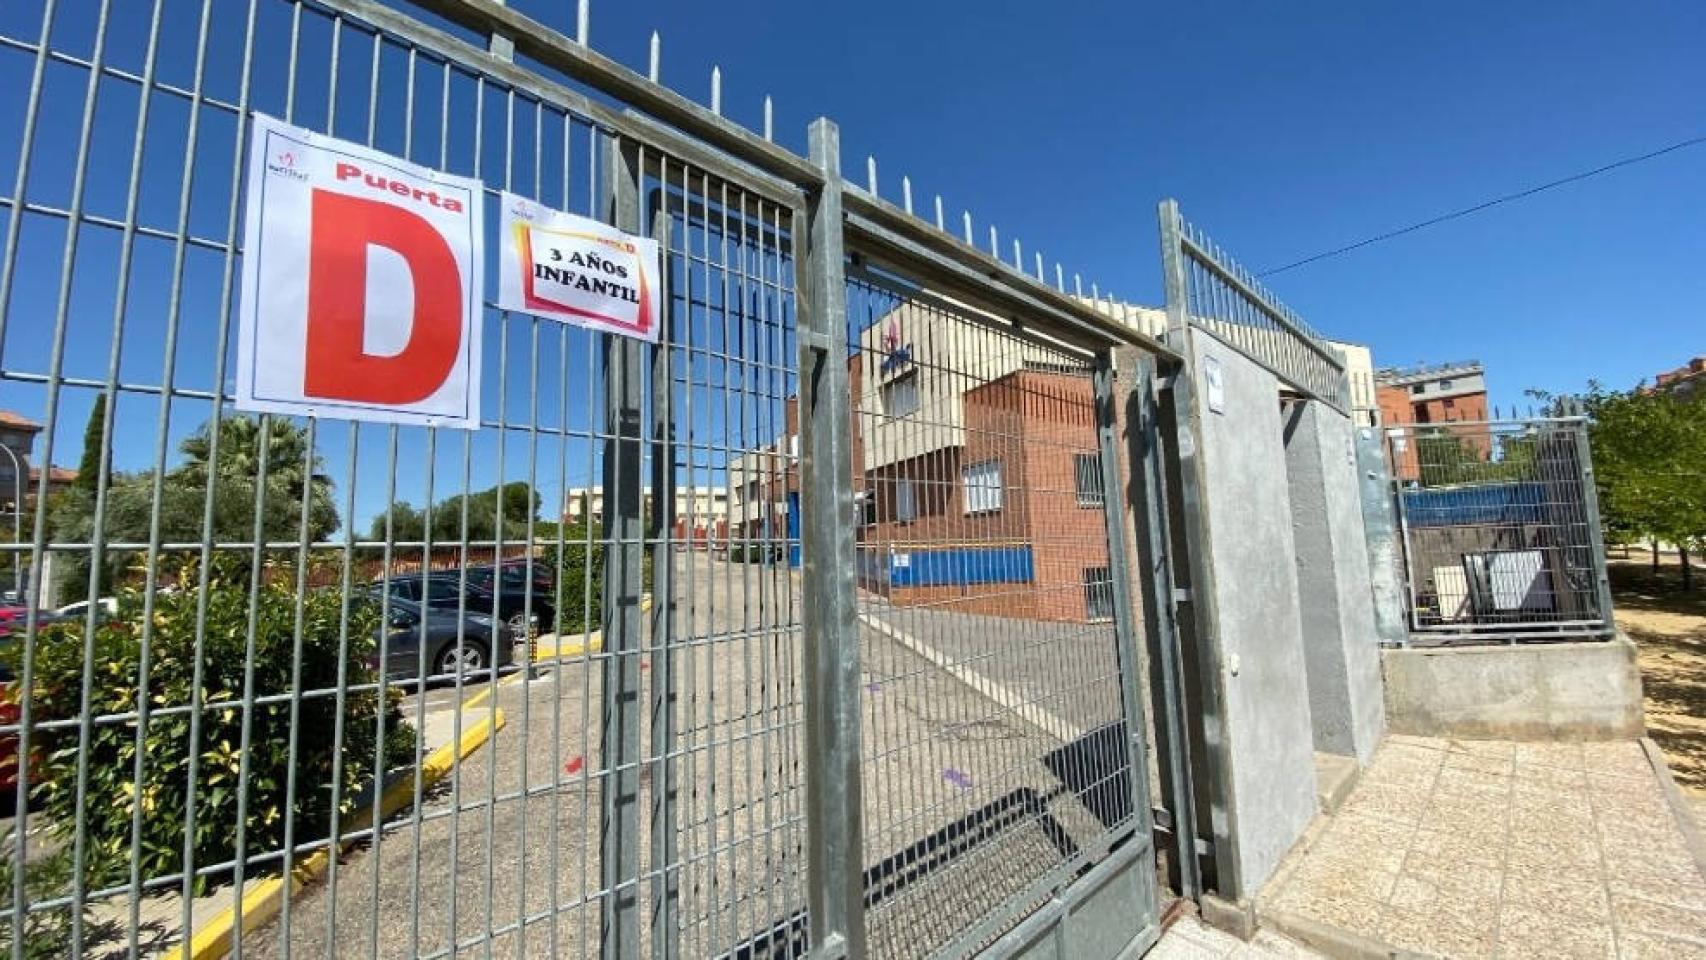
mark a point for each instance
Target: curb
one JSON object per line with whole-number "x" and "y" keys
{"x": 544, "y": 652}
{"x": 1337, "y": 943}
{"x": 1680, "y": 809}
{"x": 212, "y": 940}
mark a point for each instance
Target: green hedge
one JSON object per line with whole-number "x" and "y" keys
{"x": 163, "y": 789}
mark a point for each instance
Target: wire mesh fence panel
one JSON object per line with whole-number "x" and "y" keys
{"x": 995, "y": 762}
{"x": 1227, "y": 300}
{"x": 1500, "y": 530}
{"x": 528, "y": 687}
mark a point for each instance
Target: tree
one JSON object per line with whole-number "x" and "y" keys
{"x": 293, "y": 472}
{"x": 516, "y": 503}
{"x": 89, "y": 466}
{"x": 1649, "y": 451}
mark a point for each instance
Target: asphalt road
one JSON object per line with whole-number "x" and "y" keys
{"x": 968, "y": 797}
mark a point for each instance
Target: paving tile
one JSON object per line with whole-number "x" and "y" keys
{"x": 1351, "y": 914}
{"x": 1558, "y": 778}
{"x": 1667, "y": 889}
{"x": 1500, "y": 749}
{"x": 1452, "y": 931}
{"x": 1545, "y": 852}
{"x": 1647, "y": 916}
{"x": 1646, "y": 946}
{"x": 1524, "y": 934}
{"x": 1267, "y": 944}
{"x": 1623, "y": 758}
{"x": 1393, "y": 803}
{"x": 1434, "y": 744}
{"x": 1343, "y": 878}
{"x": 1175, "y": 947}
{"x": 1450, "y": 851}
{"x": 1585, "y": 898}
{"x": 1565, "y": 755}
{"x": 1480, "y": 763}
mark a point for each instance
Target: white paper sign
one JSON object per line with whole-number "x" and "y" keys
{"x": 566, "y": 267}
{"x": 361, "y": 284}
{"x": 1214, "y": 384}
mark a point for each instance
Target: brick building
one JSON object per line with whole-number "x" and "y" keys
{"x": 1442, "y": 393}
{"x": 977, "y": 481}
{"x": 1684, "y": 380}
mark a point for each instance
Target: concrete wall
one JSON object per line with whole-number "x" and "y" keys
{"x": 1554, "y": 691}
{"x": 1380, "y": 528}
{"x": 1340, "y": 644}
{"x": 1265, "y": 730}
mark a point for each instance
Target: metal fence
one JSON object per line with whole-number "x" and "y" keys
{"x": 1499, "y": 531}
{"x": 381, "y": 690}
{"x": 1228, "y": 301}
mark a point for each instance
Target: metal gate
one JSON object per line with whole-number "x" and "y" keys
{"x": 1499, "y": 531}
{"x": 808, "y": 629}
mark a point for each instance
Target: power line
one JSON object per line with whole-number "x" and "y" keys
{"x": 1477, "y": 208}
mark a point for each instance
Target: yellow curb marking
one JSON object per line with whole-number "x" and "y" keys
{"x": 265, "y": 899}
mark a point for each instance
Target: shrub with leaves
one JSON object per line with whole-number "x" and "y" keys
{"x": 322, "y": 766}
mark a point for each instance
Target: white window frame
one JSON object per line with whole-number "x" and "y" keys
{"x": 981, "y": 483}
{"x": 905, "y": 500}
{"x": 891, "y": 391}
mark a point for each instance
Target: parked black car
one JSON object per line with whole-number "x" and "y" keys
{"x": 484, "y": 643}
{"x": 445, "y": 591}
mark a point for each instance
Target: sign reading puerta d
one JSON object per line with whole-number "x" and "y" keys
{"x": 565, "y": 267}
{"x": 362, "y": 284}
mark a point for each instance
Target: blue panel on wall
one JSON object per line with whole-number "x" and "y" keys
{"x": 960, "y": 566}
{"x": 1476, "y": 506}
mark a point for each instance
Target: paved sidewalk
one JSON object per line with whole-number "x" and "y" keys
{"x": 1191, "y": 939}
{"x": 1499, "y": 849}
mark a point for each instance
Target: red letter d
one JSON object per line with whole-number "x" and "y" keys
{"x": 338, "y": 367}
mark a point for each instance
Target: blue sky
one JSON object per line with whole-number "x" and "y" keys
{"x": 1283, "y": 129}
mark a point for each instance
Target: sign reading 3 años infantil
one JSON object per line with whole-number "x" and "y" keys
{"x": 569, "y": 268}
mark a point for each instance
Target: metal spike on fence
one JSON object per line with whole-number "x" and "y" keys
{"x": 1039, "y": 267}
{"x": 1078, "y": 285}
{"x": 966, "y": 215}
{"x": 583, "y": 22}
{"x": 994, "y": 243}
{"x": 906, "y": 192}
{"x": 717, "y": 90}
{"x": 769, "y": 118}
{"x": 871, "y": 174}
{"x": 940, "y": 222}
{"x": 1018, "y": 256}
{"x": 652, "y": 71}
{"x": 1060, "y": 278}
{"x": 1095, "y": 294}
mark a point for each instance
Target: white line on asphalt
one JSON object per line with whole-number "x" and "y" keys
{"x": 1031, "y": 713}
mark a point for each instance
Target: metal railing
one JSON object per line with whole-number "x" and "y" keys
{"x": 582, "y": 739}
{"x": 1499, "y": 531}
{"x": 1228, "y": 301}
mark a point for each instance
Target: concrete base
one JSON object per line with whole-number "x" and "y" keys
{"x": 1559, "y": 691}
{"x": 1238, "y": 919}
{"x": 1335, "y": 776}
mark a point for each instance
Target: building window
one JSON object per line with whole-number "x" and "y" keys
{"x": 900, "y": 395}
{"x": 1098, "y": 593}
{"x": 1418, "y": 387}
{"x": 1445, "y": 384}
{"x": 983, "y": 487}
{"x": 905, "y": 500}
{"x": 1087, "y": 471}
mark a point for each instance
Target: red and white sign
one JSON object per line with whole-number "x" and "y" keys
{"x": 361, "y": 284}
{"x": 569, "y": 268}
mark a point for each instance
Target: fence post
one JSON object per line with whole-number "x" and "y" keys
{"x": 666, "y": 877}
{"x": 1192, "y": 538}
{"x": 1596, "y": 533}
{"x": 1119, "y": 575}
{"x": 619, "y": 744}
{"x": 1161, "y": 627}
{"x": 829, "y": 617}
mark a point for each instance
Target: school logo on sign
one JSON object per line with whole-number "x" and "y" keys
{"x": 566, "y": 267}
{"x": 361, "y": 284}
